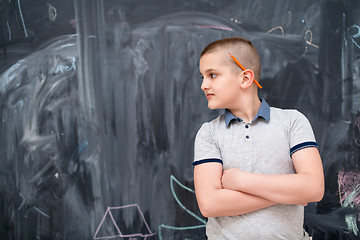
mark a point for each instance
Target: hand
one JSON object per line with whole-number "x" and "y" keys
{"x": 231, "y": 179}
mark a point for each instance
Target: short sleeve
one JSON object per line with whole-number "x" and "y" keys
{"x": 301, "y": 133}
{"x": 206, "y": 149}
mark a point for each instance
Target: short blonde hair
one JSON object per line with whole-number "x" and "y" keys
{"x": 242, "y": 49}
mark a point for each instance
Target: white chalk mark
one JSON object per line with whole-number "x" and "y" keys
{"x": 235, "y": 20}
{"x": 257, "y": 4}
{"x": 37, "y": 209}
{"x": 355, "y": 35}
{"x": 8, "y": 26}
{"x": 41, "y": 212}
{"x": 358, "y": 33}
{"x": 289, "y": 19}
{"x": 57, "y": 175}
{"x": 22, "y": 19}
{"x": 355, "y": 43}
{"x": 67, "y": 45}
{"x": 351, "y": 223}
{"x": 350, "y": 198}
{"x": 278, "y": 27}
{"x": 350, "y": 219}
{"x": 23, "y": 201}
{"x": 141, "y": 65}
{"x": 52, "y": 12}
{"x": 216, "y": 27}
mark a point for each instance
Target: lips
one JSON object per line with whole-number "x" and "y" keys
{"x": 209, "y": 95}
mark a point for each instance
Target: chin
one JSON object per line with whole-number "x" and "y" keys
{"x": 213, "y": 107}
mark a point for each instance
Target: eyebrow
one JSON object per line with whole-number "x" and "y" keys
{"x": 209, "y": 70}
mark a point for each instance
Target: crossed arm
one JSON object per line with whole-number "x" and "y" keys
{"x": 234, "y": 192}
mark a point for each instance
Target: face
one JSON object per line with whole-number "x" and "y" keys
{"x": 221, "y": 83}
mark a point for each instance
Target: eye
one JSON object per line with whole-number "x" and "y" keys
{"x": 202, "y": 77}
{"x": 212, "y": 75}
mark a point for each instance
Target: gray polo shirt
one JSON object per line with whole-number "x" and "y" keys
{"x": 263, "y": 146}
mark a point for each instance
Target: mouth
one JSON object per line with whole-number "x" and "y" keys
{"x": 209, "y": 95}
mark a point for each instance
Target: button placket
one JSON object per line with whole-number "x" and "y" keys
{"x": 247, "y": 132}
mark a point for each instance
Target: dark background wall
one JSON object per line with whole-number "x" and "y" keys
{"x": 101, "y": 101}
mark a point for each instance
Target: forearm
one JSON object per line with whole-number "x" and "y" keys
{"x": 215, "y": 201}
{"x": 285, "y": 189}
{"x": 306, "y": 185}
{"x": 225, "y": 202}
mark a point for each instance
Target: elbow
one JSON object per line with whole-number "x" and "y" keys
{"x": 319, "y": 194}
{"x": 205, "y": 213}
{"x": 207, "y": 209}
{"x": 316, "y": 193}
{"x": 309, "y": 193}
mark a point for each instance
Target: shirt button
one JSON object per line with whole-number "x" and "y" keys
{"x": 246, "y": 126}
{"x": 247, "y": 136}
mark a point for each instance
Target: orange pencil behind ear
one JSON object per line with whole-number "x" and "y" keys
{"x": 242, "y": 67}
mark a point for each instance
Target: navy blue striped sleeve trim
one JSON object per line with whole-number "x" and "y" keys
{"x": 207, "y": 161}
{"x": 303, "y": 145}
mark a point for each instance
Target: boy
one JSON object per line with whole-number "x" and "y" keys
{"x": 255, "y": 167}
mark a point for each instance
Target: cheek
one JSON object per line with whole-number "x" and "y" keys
{"x": 226, "y": 86}
{"x": 229, "y": 91}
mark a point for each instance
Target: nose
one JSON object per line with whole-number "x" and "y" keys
{"x": 204, "y": 84}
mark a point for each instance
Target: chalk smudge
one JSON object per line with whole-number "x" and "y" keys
{"x": 349, "y": 193}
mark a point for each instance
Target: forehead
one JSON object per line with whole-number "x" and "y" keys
{"x": 214, "y": 60}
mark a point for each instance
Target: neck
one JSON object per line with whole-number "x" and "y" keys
{"x": 248, "y": 109}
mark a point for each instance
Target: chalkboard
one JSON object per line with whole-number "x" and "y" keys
{"x": 101, "y": 101}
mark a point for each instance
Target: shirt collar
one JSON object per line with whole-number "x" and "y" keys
{"x": 264, "y": 112}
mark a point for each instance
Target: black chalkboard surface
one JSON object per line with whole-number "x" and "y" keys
{"x": 101, "y": 101}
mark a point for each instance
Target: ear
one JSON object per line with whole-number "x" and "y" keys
{"x": 248, "y": 78}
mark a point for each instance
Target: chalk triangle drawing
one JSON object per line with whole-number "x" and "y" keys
{"x": 107, "y": 227}
{"x": 121, "y": 222}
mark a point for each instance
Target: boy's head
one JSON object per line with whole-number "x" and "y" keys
{"x": 242, "y": 49}
{"x": 225, "y": 84}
